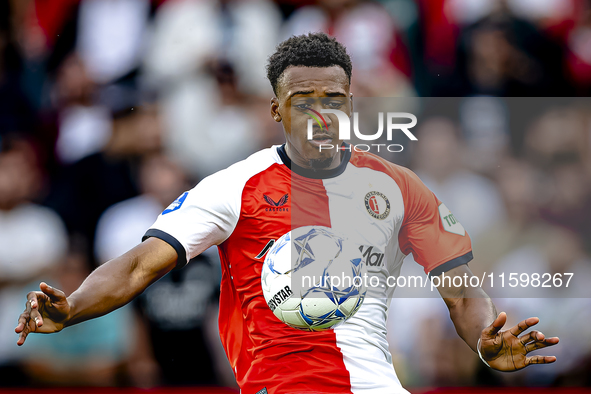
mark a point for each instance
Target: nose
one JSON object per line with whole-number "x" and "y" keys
{"x": 325, "y": 121}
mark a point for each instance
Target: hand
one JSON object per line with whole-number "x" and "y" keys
{"x": 507, "y": 351}
{"x": 46, "y": 312}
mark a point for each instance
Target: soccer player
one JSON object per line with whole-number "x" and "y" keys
{"x": 241, "y": 209}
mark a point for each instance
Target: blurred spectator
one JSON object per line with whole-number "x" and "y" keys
{"x": 503, "y": 55}
{"x": 230, "y": 126}
{"x": 83, "y": 126}
{"x": 93, "y": 353}
{"x": 188, "y": 34}
{"x": 32, "y": 241}
{"x": 209, "y": 60}
{"x": 122, "y": 225}
{"x": 436, "y": 59}
{"x": 558, "y": 142}
{"x": 177, "y": 310}
{"x": 521, "y": 242}
{"x": 86, "y": 188}
{"x": 561, "y": 253}
{"x": 380, "y": 58}
{"x": 179, "y": 306}
{"x": 16, "y": 113}
{"x": 419, "y": 314}
{"x": 578, "y": 43}
{"x": 570, "y": 199}
{"x": 438, "y": 161}
{"x": 111, "y": 36}
{"x": 445, "y": 362}
{"x": 521, "y": 188}
{"x": 485, "y": 127}
{"x": 557, "y": 136}
{"x": 469, "y": 11}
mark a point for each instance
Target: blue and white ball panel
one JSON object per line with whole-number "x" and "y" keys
{"x": 316, "y": 253}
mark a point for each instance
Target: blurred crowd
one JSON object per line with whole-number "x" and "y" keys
{"x": 110, "y": 109}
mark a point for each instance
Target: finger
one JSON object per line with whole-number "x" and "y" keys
{"x": 36, "y": 317}
{"x": 22, "y": 322}
{"x": 22, "y": 337}
{"x": 540, "y": 360}
{"x": 32, "y": 301}
{"x": 31, "y": 305}
{"x": 531, "y": 337}
{"x": 524, "y": 325}
{"x": 496, "y": 325}
{"x": 530, "y": 347}
{"x": 31, "y": 324}
{"x": 54, "y": 294}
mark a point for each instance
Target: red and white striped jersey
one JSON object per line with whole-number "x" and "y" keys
{"x": 240, "y": 209}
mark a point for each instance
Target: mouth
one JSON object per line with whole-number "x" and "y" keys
{"x": 321, "y": 139}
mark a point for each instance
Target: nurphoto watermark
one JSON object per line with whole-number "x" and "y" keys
{"x": 392, "y": 120}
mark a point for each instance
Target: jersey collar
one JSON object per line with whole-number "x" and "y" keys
{"x": 309, "y": 173}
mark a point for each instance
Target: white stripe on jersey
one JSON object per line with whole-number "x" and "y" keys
{"x": 362, "y": 339}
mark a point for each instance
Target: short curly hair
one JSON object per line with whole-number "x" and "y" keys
{"x": 310, "y": 50}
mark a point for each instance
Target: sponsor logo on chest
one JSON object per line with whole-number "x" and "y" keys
{"x": 372, "y": 256}
{"x": 276, "y": 206}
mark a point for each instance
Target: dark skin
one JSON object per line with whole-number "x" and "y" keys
{"x": 107, "y": 288}
{"x": 300, "y": 89}
{"x": 471, "y": 310}
{"x": 304, "y": 88}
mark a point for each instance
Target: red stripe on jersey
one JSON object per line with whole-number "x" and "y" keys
{"x": 311, "y": 202}
{"x": 264, "y": 351}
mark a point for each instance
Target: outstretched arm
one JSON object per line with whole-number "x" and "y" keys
{"x": 470, "y": 309}
{"x": 107, "y": 288}
{"x": 475, "y": 318}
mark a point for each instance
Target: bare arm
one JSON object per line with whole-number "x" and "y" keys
{"x": 476, "y": 321}
{"x": 120, "y": 280}
{"x": 470, "y": 309}
{"x": 107, "y": 288}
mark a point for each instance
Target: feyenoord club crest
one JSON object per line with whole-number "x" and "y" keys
{"x": 377, "y": 205}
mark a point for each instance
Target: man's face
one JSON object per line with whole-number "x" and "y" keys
{"x": 301, "y": 91}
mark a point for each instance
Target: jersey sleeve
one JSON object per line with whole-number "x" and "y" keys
{"x": 429, "y": 230}
{"x": 199, "y": 218}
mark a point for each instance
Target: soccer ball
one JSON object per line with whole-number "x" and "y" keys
{"x": 313, "y": 279}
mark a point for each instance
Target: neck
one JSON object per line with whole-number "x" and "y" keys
{"x": 309, "y": 172}
{"x": 313, "y": 164}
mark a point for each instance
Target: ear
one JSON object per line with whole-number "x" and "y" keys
{"x": 275, "y": 109}
{"x": 351, "y": 104}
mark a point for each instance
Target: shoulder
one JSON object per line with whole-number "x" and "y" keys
{"x": 239, "y": 173}
{"x": 401, "y": 175}
{"x": 416, "y": 197}
{"x": 223, "y": 190}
